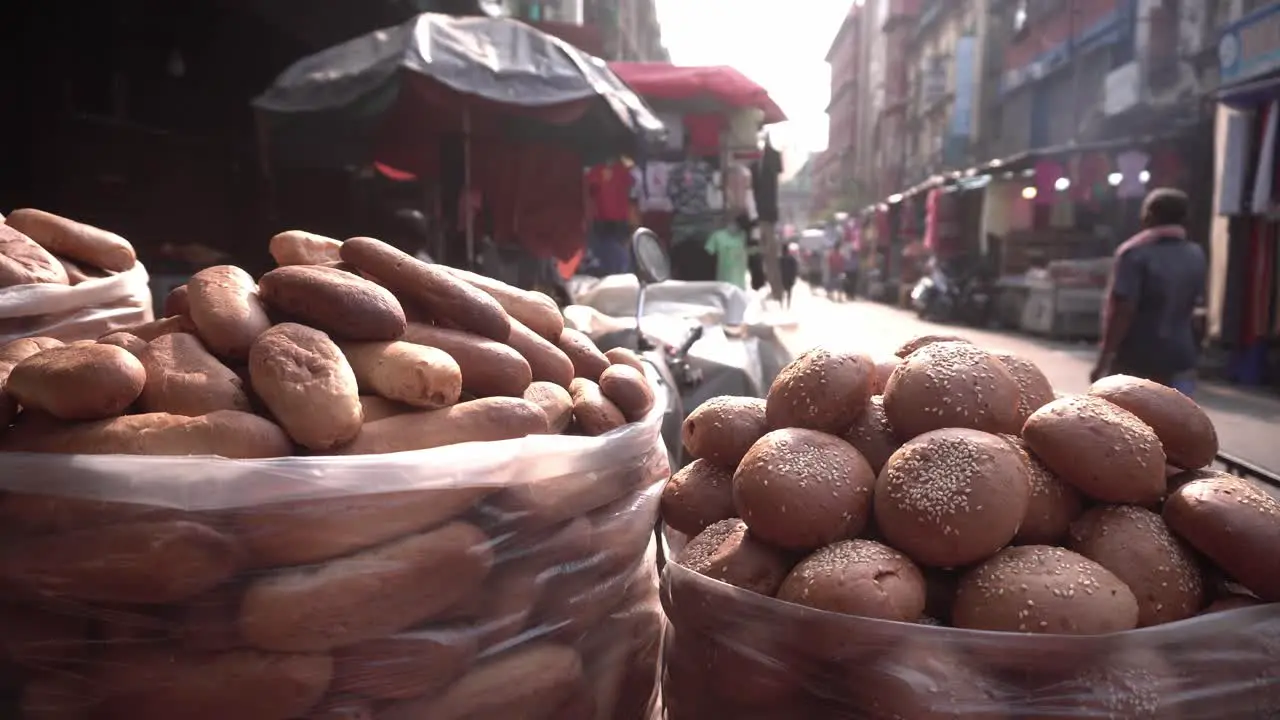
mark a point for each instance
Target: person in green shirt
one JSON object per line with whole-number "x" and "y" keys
{"x": 729, "y": 246}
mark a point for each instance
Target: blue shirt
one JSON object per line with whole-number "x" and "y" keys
{"x": 1164, "y": 279}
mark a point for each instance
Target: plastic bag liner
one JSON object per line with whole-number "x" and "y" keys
{"x": 731, "y": 654}
{"x": 504, "y": 580}
{"x": 76, "y": 312}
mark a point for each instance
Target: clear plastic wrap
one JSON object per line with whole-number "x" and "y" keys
{"x": 735, "y": 655}
{"x": 76, "y": 312}
{"x": 511, "y": 579}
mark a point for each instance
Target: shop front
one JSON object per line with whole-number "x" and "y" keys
{"x": 1244, "y": 293}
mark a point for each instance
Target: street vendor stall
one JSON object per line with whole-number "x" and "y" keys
{"x": 498, "y": 118}
{"x": 711, "y": 167}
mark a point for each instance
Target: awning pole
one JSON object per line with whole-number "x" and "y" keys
{"x": 469, "y": 211}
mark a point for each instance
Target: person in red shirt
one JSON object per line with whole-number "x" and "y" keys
{"x": 609, "y": 191}
{"x": 835, "y": 274}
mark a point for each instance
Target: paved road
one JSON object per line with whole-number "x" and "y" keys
{"x": 1248, "y": 422}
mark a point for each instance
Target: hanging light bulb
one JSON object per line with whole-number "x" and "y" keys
{"x": 1029, "y": 192}
{"x": 1114, "y": 179}
{"x": 1145, "y": 176}
{"x": 1061, "y": 184}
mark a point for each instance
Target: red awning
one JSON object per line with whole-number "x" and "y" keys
{"x": 663, "y": 81}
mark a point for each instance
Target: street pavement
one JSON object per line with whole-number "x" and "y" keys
{"x": 1248, "y": 420}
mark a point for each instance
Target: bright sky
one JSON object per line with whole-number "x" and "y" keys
{"x": 780, "y": 45}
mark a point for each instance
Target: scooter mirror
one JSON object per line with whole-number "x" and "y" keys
{"x": 650, "y": 258}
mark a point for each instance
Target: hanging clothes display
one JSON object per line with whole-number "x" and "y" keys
{"x": 1047, "y": 173}
{"x": 764, "y": 181}
{"x": 931, "y": 219}
{"x": 674, "y": 123}
{"x": 656, "y": 197}
{"x": 687, "y": 184}
{"x": 1090, "y": 182}
{"x": 703, "y": 133}
{"x": 1264, "y": 178}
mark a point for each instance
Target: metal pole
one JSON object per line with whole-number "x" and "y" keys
{"x": 468, "y": 212}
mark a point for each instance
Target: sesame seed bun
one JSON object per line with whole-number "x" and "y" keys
{"x": 920, "y": 341}
{"x": 1053, "y": 504}
{"x": 1136, "y": 545}
{"x": 1044, "y": 590}
{"x": 728, "y": 552}
{"x": 803, "y": 489}
{"x": 952, "y": 497}
{"x": 822, "y": 389}
{"x": 1185, "y": 430}
{"x": 1236, "y": 525}
{"x": 697, "y": 496}
{"x": 952, "y": 385}
{"x": 722, "y": 429}
{"x": 873, "y": 436}
{"x": 858, "y": 577}
{"x": 1034, "y": 388}
{"x": 1100, "y": 449}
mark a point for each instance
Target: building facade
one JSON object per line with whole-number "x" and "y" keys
{"x": 897, "y": 28}
{"x": 615, "y": 29}
{"x": 849, "y": 91}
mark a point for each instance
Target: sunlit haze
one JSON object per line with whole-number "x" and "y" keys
{"x": 779, "y": 45}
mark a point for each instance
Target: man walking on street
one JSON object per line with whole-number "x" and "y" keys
{"x": 1156, "y": 283}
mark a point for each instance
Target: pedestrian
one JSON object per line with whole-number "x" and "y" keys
{"x": 790, "y": 267}
{"x": 729, "y": 247}
{"x": 849, "y": 279}
{"x": 1156, "y": 284}
{"x": 835, "y": 273}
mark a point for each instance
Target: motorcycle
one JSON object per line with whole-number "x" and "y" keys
{"x": 943, "y": 296}
{"x": 698, "y": 337}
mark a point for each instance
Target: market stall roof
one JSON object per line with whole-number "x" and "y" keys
{"x": 718, "y": 83}
{"x": 492, "y": 65}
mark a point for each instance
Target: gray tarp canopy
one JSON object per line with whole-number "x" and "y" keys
{"x": 499, "y": 60}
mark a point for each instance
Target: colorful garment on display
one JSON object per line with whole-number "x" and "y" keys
{"x": 729, "y": 246}
{"x": 764, "y": 182}
{"x": 610, "y": 189}
{"x": 674, "y": 124}
{"x": 656, "y": 197}
{"x": 1090, "y": 182}
{"x": 687, "y": 185}
{"x": 1047, "y": 174}
{"x": 703, "y": 133}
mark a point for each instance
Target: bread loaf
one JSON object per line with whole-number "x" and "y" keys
{"x": 722, "y": 429}
{"x": 442, "y": 295}
{"x": 227, "y": 312}
{"x": 416, "y": 375}
{"x": 146, "y": 683}
{"x": 547, "y": 362}
{"x": 555, "y": 402}
{"x": 301, "y": 532}
{"x": 367, "y": 595}
{"x": 535, "y": 310}
{"x": 343, "y": 305}
{"x": 80, "y": 242}
{"x": 629, "y": 390}
{"x": 296, "y": 247}
{"x": 11, "y": 354}
{"x": 134, "y": 344}
{"x": 821, "y": 390}
{"x": 484, "y": 420}
{"x": 588, "y": 361}
{"x": 183, "y": 378}
{"x": 224, "y": 433}
{"x": 415, "y": 664}
{"x": 140, "y": 563}
{"x": 488, "y": 367}
{"x": 305, "y": 380}
{"x": 23, "y": 262}
{"x": 594, "y": 413}
{"x": 78, "y": 382}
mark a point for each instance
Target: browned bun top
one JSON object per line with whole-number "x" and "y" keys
{"x": 1044, "y": 590}
{"x": 1135, "y": 683}
{"x": 728, "y": 552}
{"x": 884, "y": 369}
{"x": 1236, "y": 525}
{"x": 858, "y": 577}
{"x": 697, "y": 496}
{"x": 822, "y": 389}
{"x": 1034, "y": 389}
{"x": 952, "y": 385}
{"x": 722, "y": 429}
{"x": 802, "y": 489}
{"x": 1136, "y": 545}
{"x": 873, "y": 436}
{"x": 1101, "y": 449}
{"x": 920, "y": 341}
{"x": 1185, "y": 430}
{"x": 1053, "y": 504}
{"x": 952, "y": 497}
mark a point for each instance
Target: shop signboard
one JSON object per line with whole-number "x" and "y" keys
{"x": 1250, "y": 47}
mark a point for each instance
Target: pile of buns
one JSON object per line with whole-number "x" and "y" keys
{"x": 40, "y": 247}
{"x": 864, "y": 509}
{"x": 526, "y": 594}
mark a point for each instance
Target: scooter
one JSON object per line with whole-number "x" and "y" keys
{"x": 667, "y": 366}
{"x": 934, "y": 296}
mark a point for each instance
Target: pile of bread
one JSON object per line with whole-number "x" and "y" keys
{"x": 529, "y": 594}
{"x": 948, "y": 486}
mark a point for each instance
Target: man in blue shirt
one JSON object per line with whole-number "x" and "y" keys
{"x": 1156, "y": 284}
